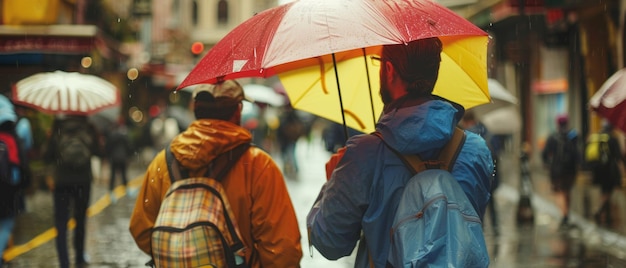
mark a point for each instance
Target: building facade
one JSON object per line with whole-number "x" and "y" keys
{"x": 553, "y": 55}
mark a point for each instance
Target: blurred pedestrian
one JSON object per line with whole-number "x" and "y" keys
{"x": 334, "y": 136}
{"x": 14, "y": 178}
{"x": 470, "y": 123}
{"x": 561, "y": 155}
{"x": 254, "y": 186}
{"x": 290, "y": 130}
{"x": 525, "y": 213}
{"x": 162, "y": 128}
{"x": 118, "y": 149}
{"x": 605, "y": 168}
{"x": 74, "y": 140}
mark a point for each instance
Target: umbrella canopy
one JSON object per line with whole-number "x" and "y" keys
{"x": 321, "y": 49}
{"x": 505, "y": 120}
{"x": 61, "y": 92}
{"x": 264, "y": 94}
{"x": 609, "y": 102}
{"x": 500, "y": 97}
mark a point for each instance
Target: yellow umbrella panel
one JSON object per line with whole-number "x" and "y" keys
{"x": 314, "y": 89}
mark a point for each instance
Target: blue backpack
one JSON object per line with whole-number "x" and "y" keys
{"x": 435, "y": 224}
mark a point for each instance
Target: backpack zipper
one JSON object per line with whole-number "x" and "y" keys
{"x": 420, "y": 214}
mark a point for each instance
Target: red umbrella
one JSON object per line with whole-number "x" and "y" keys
{"x": 320, "y": 36}
{"x": 609, "y": 102}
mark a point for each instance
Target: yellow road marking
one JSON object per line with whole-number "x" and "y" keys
{"x": 104, "y": 201}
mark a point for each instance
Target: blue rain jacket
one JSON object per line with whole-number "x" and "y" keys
{"x": 359, "y": 201}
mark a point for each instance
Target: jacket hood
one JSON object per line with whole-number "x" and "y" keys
{"x": 434, "y": 120}
{"x": 205, "y": 139}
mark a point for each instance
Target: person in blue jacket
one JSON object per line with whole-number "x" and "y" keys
{"x": 358, "y": 203}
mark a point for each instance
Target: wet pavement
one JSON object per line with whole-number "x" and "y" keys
{"x": 541, "y": 244}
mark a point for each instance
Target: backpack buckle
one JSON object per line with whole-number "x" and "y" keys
{"x": 433, "y": 164}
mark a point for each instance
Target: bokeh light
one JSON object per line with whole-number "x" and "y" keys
{"x": 132, "y": 73}
{"x": 86, "y": 62}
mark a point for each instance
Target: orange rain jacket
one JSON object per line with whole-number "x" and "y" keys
{"x": 255, "y": 188}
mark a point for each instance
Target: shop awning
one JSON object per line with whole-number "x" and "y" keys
{"x": 56, "y": 39}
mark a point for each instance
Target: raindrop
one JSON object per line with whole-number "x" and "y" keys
{"x": 145, "y": 201}
{"x": 118, "y": 20}
{"x": 159, "y": 169}
{"x": 152, "y": 180}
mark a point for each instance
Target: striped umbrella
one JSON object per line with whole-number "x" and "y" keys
{"x": 69, "y": 93}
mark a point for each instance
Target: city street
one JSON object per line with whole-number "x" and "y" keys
{"x": 525, "y": 69}
{"x": 539, "y": 245}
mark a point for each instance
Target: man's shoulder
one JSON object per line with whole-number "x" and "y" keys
{"x": 258, "y": 155}
{"x": 363, "y": 150}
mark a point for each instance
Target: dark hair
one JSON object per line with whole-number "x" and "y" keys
{"x": 417, "y": 63}
{"x": 208, "y": 107}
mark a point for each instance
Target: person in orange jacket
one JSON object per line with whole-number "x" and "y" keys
{"x": 254, "y": 186}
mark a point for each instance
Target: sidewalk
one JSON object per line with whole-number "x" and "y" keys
{"x": 38, "y": 219}
{"x": 584, "y": 201}
{"x": 34, "y": 228}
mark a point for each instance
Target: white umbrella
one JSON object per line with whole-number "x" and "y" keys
{"x": 264, "y": 94}
{"x": 500, "y": 97}
{"x": 62, "y": 92}
{"x": 505, "y": 120}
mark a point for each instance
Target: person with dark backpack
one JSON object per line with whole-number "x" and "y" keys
{"x": 364, "y": 198}
{"x": 561, "y": 155}
{"x": 211, "y": 199}
{"x": 74, "y": 140}
{"x": 603, "y": 156}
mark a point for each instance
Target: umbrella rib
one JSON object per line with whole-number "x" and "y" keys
{"x": 355, "y": 117}
{"x": 322, "y": 81}
{"x": 322, "y": 74}
{"x": 343, "y": 116}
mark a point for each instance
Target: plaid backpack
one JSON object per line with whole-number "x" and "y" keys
{"x": 196, "y": 226}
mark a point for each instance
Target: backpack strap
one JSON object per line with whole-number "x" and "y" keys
{"x": 445, "y": 160}
{"x": 220, "y": 165}
{"x": 173, "y": 168}
{"x": 451, "y": 151}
